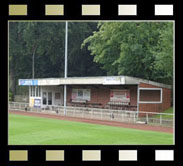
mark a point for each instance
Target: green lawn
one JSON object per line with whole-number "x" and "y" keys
{"x": 26, "y": 130}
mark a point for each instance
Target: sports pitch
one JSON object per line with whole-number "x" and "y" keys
{"x": 27, "y": 130}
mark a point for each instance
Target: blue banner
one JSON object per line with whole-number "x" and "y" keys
{"x": 28, "y": 82}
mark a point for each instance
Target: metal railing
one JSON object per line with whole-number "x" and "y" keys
{"x": 129, "y": 116}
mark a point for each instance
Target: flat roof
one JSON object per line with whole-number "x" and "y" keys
{"x": 98, "y": 80}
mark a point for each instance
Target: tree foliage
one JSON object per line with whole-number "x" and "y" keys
{"x": 47, "y": 39}
{"x": 139, "y": 49}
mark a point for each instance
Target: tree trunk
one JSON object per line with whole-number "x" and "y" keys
{"x": 12, "y": 83}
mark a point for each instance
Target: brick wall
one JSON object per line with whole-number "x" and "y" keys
{"x": 101, "y": 94}
{"x": 156, "y": 107}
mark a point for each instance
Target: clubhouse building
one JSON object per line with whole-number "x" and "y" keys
{"x": 107, "y": 92}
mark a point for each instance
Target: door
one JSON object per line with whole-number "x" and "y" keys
{"x": 49, "y": 98}
{"x": 44, "y": 98}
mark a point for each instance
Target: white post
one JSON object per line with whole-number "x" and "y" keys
{"x": 138, "y": 95}
{"x": 65, "y": 76}
{"x": 160, "y": 119}
{"x": 134, "y": 115}
{"x": 147, "y": 118}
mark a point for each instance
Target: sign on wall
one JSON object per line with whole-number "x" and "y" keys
{"x": 81, "y": 94}
{"x": 37, "y": 103}
{"x": 119, "y": 95}
{"x": 31, "y": 102}
{"x": 34, "y": 102}
{"x": 28, "y": 82}
{"x": 113, "y": 80}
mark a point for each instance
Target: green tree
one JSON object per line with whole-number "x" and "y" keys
{"x": 47, "y": 39}
{"x": 130, "y": 48}
{"x": 164, "y": 55}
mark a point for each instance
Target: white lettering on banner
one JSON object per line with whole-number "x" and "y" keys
{"x": 48, "y": 82}
{"x": 28, "y": 82}
{"x": 113, "y": 80}
{"x": 37, "y": 103}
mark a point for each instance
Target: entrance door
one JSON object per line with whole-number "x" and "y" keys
{"x": 49, "y": 98}
{"x": 44, "y": 98}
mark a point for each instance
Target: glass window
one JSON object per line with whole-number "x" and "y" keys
{"x": 44, "y": 98}
{"x": 39, "y": 91}
{"x": 36, "y": 89}
{"x": 49, "y": 98}
{"x": 31, "y": 91}
{"x": 80, "y": 93}
{"x": 57, "y": 95}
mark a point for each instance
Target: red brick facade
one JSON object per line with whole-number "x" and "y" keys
{"x": 156, "y": 107}
{"x": 101, "y": 95}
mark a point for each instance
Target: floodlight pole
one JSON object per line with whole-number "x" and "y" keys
{"x": 65, "y": 75}
{"x": 33, "y": 62}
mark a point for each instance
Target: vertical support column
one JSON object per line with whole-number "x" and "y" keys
{"x": 147, "y": 118}
{"x": 32, "y": 90}
{"x": 65, "y": 76}
{"x": 160, "y": 119}
{"x": 41, "y": 96}
{"x": 138, "y": 94}
{"x": 29, "y": 91}
{"x": 65, "y": 96}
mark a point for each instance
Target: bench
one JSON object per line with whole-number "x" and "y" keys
{"x": 95, "y": 105}
{"x": 85, "y": 103}
{"x": 78, "y": 101}
{"x": 121, "y": 105}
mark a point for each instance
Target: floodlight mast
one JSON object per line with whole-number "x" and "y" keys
{"x": 34, "y": 51}
{"x": 65, "y": 75}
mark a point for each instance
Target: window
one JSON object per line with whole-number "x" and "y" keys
{"x": 80, "y": 93}
{"x": 31, "y": 91}
{"x": 39, "y": 91}
{"x": 36, "y": 89}
{"x": 44, "y": 98}
{"x": 57, "y": 96}
{"x": 150, "y": 95}
{"x": 49, "y": 98}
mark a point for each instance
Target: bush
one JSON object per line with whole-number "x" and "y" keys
{"x": 10, "y": 96}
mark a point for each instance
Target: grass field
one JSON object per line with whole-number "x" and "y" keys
{"x": 27, "y": 130}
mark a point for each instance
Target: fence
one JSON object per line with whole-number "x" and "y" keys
{"x": 100, "y": 114}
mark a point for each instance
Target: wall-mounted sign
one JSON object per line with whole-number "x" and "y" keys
{"x": 119, "y": 95}
{"x": 113, "y": 80}
{"x": 37, "y": 103}
{"x": 28, "y": 82}
{"x": 81, "y": 94}
{"x": 49, "y": 81}
{"x": 31, "y": 102}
